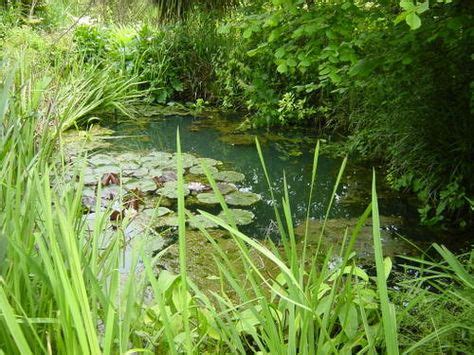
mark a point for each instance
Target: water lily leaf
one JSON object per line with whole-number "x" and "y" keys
{"x": 167, "y": 165}
{"x": 198, "y": 170}
{"x": 89, "y": 201}
{"x": 129, "y": 165}
{"x": 155, "y": 172}
{"x": 138, "y": 173}
{"x": 160, "y": 156}
{"x": 168, "y": 221}
{"x": 89, "y": 191}
{"x": 91, "y": 177}
{"x": 200, "y": 221}
{"x": 170, "y": 190}
{"x": 156, "y": 212}
{"x": 166, "y": 176}
{"x": 100, "y": 159}
{"x": 188, "y": 160}
{"x": 156, "y": 159}
{"x": 225, "y": 188}
{"x": 229, "y": 176}
{"x": 208, "y": 198}
{"x": 209, "y": 161}
{"x": 128, "y": 157}
{"x": 241, "y": 198}
{"x": 241, "y": 217}
{"x": 107, "y": 169}
{"x": 144, "y": 185}
{"x": 111, "y": 192}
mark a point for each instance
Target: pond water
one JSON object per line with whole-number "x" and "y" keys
{"x": 287, "y": 153}
{"x": 133, "y": 161}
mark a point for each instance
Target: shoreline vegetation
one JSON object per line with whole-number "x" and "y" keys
{"x": 361, "y": 69}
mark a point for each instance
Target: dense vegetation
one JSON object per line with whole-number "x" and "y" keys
{"x": 395, "y": 78}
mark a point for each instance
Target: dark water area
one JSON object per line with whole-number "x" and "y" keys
{"x": 288, "y": 154}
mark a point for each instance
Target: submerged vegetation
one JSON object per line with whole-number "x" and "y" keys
{"x": 396, "y": 79}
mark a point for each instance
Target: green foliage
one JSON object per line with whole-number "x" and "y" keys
{"x": 293, "y": 50}
{"x": 345, "y": 65}
{"x": 173, "y": 62}
{"x": 348, "y": 65}
{"x": 176, "y": 9}
{"x": 443, "y": 282}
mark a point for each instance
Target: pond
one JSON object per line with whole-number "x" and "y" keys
{"x": 288, "y": 154}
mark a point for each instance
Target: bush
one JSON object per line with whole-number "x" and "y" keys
{"x": 405, "y": 97}
{"x": 174, "y": 61}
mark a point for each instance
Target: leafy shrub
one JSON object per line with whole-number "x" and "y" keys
{"x": 346, "y": 65}
{"x": 173, "y": 61}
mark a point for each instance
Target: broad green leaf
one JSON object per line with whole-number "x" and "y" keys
{"x": 422, "y": 7}
{"x": 282, "y": 68}
{"x": 413, "y": 20}
{"x": 280, "y": 52}
{"x": 349, "y": 319}
{"x": 166, "y": 280}
{"x": 247, "y": 33}
{"x": 407, "y": 5}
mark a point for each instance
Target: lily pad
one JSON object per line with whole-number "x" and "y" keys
{"x": 91, "y": 177}
{"x": 158, "y": 156}
{"x": 170, "y": 165}
{"x": 89, "y": 198}
{"x": 170, "y": 190}
{"x": 189, "y": 160}
{"x": 105, "y": 169}
{"x": 168, "y": 221}
{"x": 89, "y": 191}
{"x": 155, "y": 213}
{"x": 209, "y": 161}
{"x": 111, "y": 192}
{"x": 138, "y": 173}
{"x": 241, "y": 217}
{"x": 199, "y": 221}
{"x": 198, "y": 170}
{"x": 242, "y": 198}
{"x": 144, "y": 185}
{"x": 128, "y": 157}
{"x": 229, "y": 176}
{"x": 226, "y": 188}
{"x": 129, "y": 165}
{"x": 100, "y": 159}
{"x": 155, "y": 172}
{"x": 209, "y": 198}
{"x": 166, "y": 176}
{"x": 155, "y": 163}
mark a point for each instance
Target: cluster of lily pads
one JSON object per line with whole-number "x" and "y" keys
{"x": 134, "y": 184}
